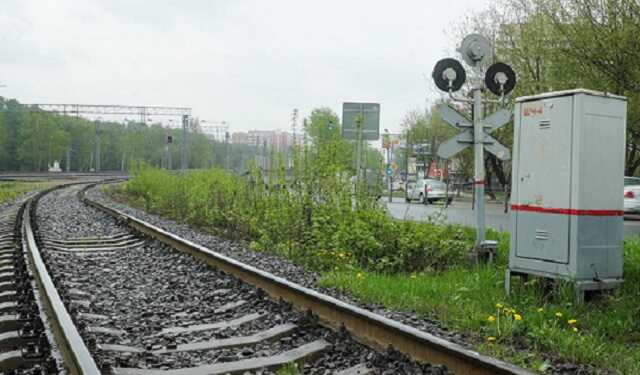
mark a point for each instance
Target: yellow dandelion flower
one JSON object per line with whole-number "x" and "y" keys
{"x": 491, "y": 339}
{"x": 499, "y": 305}
{"x": 491, "y": 318}
{"x": 559, "y": 314}
{"x": 517, "y": 316}
{"x": 572, "y": 321}
{"x": 359, "y": 275}
{"x": 540, "y": 309}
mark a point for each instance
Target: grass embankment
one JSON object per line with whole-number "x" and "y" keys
{"x": 533, "y": 327}
{"x": 11, "y": 190}
{"x": 409, "y": 266}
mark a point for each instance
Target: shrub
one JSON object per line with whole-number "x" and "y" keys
{"x": 310, "y": 220}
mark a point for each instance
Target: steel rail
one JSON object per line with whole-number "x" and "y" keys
{"x": 16, "y": 176}
{"x": 77, "y": 357}
{"x": 369, "y": 328}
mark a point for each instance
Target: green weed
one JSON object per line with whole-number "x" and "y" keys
{"x": 289, "y": 369}
{"x": 11, "y": 190}
{"x": 309, "y": 219}
{"x": 532, "y": 326}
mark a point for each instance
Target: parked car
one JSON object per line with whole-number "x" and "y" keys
{"x": 427, "y": 191}
{"x": 632, "y": 195}
{"x": 397, "y": 185}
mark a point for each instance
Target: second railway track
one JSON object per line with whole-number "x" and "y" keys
{"x": 139, "y": 300}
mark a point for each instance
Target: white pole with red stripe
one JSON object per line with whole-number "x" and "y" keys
{"x": 478, "y": 170}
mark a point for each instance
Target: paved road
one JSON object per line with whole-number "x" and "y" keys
{"x": 460, "y": 213}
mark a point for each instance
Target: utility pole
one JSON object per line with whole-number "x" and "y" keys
{"x": 407, "y": 146}
{"x": 359, "y": 121}
{"x": 386, "y": 144}
{"x": 265, "y": 160}
{"x": 97, "y": 146}
{"x": 389, "y": 175}
{"x": 226, "y": 149}
{"x": 294, "y": 125}
{"x": 183, "y": 144}
{"x": 256, "y": 152}
{"x": 69, "y": 159}
{"x": 167, "y": 151}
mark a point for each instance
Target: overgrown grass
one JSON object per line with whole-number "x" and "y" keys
{"x": 289, "y": 369}
{"x": 310, "y": 220}
{"x": 11, "y": 190}
{"x": 534, "y": 326}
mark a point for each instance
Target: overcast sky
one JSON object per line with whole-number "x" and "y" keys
{"x": 248, "y": 62}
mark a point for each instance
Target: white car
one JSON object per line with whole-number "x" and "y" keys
{"x": 427, "y": 191}
{"x": 632, "y": 195}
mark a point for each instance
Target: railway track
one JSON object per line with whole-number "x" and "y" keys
{"x": 24, "y": 343}
{"x": 37, "y": 176}
{"x": 126, "y": 297}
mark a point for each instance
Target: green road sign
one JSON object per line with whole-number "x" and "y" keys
{"x": 370, "y": 116}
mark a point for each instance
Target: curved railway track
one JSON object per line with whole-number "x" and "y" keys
{"x": 126, "y": 297}
{"x": 25, "y": 332}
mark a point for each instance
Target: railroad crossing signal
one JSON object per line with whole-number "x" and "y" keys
{"x": 465, "y": 138}
{"x": 500, "y": 79}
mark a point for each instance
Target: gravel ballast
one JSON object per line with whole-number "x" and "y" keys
{"x": 274, "y": 264}
{"x": 129, "y": 296}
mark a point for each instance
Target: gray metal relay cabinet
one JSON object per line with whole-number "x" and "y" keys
{"x": 567, "y": 184}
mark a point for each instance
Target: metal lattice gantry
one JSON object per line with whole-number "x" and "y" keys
{"x": 110, "y": 109}
{"x": 217, "y": 130}
{"x": 184, "y": 113}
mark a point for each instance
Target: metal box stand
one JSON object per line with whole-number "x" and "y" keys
{"x": 567, "y": 184}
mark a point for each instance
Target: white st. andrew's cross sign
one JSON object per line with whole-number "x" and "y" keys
{"x": 465, "y": 138}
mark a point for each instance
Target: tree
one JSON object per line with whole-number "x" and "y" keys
{"x": 565, "y": 44}
{"x": 4, "y": 142}
{"x": 600, "y": 45}
{"x": 32, "y": 139}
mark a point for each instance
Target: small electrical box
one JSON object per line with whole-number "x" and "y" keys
{"x": 567, "y": 186}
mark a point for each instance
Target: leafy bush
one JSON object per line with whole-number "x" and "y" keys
{"x": 310, "y": 220}
{"x": 308, "y": 215}
{"x": 11, "y": 190}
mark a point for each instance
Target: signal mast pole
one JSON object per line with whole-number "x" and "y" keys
{"x": 449, "y": 76}
{"x": 478, "y": 165}
{"x": 183, "y": 144}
